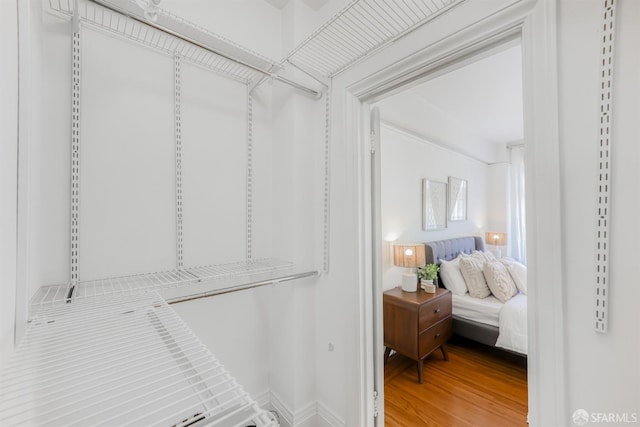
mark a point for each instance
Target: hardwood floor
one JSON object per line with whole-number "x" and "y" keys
{"x": 479, "y": 386}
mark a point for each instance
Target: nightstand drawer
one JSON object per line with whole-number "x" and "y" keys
{"x": 435, "y": 336}
{"x": 434, "y": 311}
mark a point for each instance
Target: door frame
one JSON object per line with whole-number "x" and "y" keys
{"x": 534, "y": 21}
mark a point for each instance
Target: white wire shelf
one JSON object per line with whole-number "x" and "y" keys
{"x": 116, "y": 23}
{"x": 359, "y": 29}
{"x": 125, "y": 360}
{"x": 200, "y": 281}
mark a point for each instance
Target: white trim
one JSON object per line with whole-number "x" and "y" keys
{"x": 546, "y": 362}
{"x": 329, "y": 416}
{"x": 491, "y": 32}
{"x": 283, "y": 411}
{"x": 535, "y": 22}
{"x": 301, "y": 416}
{"x": 263, "y": 399}
{"x": 29, "y": 119}
{"x": 430, "y": 141}
{"x": 305, "y": 414}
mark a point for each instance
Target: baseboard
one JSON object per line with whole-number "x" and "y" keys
{"x": 285, "y": 414}
{"x": 305, "y": 414}
{"x": 312, "y": 414}
{"x": 263, "y": 399}
{"x": 328, "y": 416}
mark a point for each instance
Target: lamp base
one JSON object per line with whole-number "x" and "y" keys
{"x": 497, "y": 252}
{"x": 409, "y": 282}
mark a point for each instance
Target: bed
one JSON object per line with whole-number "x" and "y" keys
{"x": 485, "y": 320}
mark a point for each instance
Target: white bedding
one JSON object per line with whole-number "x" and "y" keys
{"x": 481, "y": 310}
{"x": 513, "y": 325}
{"x": 510, "y": 317}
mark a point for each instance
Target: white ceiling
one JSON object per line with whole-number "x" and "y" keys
{"x": 485, "y": 96}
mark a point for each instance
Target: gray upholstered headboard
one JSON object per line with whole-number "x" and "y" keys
{"x": 450, "y": 248}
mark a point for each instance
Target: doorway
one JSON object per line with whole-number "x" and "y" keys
{"x": 462, "y": 122}
{"x": 531, "y": 23}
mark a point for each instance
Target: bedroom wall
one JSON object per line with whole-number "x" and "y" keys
{"x": 406, "y": 160}
{"x": 8, "y": 174}
{"x": 600, "y": 367}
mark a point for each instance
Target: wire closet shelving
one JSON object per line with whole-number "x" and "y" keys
{"x": 360, "y": 29}
{"x": 128, "y": 27}
{"x": 112, "y": 351}
{"x": 211, "y": 279}
{"x": 124, "y": 360}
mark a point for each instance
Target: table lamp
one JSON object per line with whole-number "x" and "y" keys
{"x": 496, "y": 239}
{"x": 410, "y": 256}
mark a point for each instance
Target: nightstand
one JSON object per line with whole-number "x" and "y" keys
{"x": 416, "y": 323}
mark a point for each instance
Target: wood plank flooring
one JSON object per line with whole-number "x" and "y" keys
{"x": 479, "y": 386}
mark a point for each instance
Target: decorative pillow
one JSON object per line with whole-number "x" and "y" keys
{"x": 471, "y": 269}
{"x": 452, "y": 277}
{"x": 507, "y": 261}
{"x": 485, "y": 256}
{"x": 518, "y": 273}
{"x": 499, "y": 281}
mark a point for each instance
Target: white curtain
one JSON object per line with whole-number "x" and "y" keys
{"x": 517, "y": 234}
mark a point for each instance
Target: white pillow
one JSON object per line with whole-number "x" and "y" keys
{"x": 499, "y": 281}
{"x": 507, "y": 261}
{"x": 471, "y": 269}
{"x": 452, "y": 277}
{"x": 485, "y": 256}
{"x": 518, "y": 273}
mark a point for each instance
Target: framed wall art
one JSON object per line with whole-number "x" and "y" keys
{"x": 434, "y": 205}
{"x": 457, "y": 199}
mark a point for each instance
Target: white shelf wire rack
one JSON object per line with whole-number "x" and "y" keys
{"x": 237, "y": 273}
{"x": 126, "y": 360}
{"x": 359, "y": 29}
{"x": 97, "y": 16}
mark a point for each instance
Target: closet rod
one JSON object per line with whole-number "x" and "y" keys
{"x": 243, "y": 287}
{"x": 187, "y": 39}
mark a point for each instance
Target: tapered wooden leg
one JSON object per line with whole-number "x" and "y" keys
{"x": 387, "y": 352}
{"x": 420, "y": 363}
{"x": 444, "y": 353}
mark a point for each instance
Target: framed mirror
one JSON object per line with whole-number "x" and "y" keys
{"x": 457, "y": 199}
{"x": 434, "y": 205}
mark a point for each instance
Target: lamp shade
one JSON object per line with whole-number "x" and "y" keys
{"x": 495, "y": 238}
{"x": 409, "y": 255}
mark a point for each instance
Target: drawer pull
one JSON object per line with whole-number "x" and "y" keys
{"x": 437, "y": 310}
{"x": 438, "y": 335}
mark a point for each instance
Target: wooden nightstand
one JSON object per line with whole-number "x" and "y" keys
{"x": 416, "y": 323}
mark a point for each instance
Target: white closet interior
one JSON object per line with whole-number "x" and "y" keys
{"x": 166, "y": 170}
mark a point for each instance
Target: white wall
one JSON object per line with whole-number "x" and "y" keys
{"x": 406, "y": 161}
{"x": 8, "y": 174}
{"x": 602, "y": 369}
{"x": 253, "y": 24}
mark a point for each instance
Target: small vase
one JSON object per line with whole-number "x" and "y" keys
{"x": 428, "y": 286}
